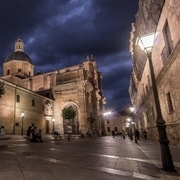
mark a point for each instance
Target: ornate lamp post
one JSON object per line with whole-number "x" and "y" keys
{"x": 129, "y": 125}
{"x": 146, "y": 44}
{"x": 22, "y": 118}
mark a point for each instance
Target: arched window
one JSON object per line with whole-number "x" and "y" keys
{"x": 8, "y": 72}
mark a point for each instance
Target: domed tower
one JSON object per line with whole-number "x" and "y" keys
{"x": 18, "y": 63}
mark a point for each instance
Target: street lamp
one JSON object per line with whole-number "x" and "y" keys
{"x": 22, "y": 117}
{"x": 53, "y": 120}
{"x": 146, "y": 44}
{"x": 129, "y": 125}
{"x": 133, "y": 122}
{"x": 107, "y": 113}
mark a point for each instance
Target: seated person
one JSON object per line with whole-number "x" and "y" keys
{"x": 39, "y": 136}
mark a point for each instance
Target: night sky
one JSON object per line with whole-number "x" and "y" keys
{"x": 61, "y": 33}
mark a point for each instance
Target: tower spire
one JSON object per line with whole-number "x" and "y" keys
{"x": 19, "y": 45}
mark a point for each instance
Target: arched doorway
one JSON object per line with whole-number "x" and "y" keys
{"x": 73, "y": 122}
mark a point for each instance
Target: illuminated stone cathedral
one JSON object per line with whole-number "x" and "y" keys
{"x": 33, "y": 98}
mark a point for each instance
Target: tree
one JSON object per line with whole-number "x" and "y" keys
{"x": 2, "y": 91}
{"x": 68, "y": 113}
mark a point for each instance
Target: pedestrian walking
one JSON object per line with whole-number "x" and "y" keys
{"x": 137, "y": 134}
{"x": 1, "y": 130}
{"x": 145, "y": 134}
{"x": 123, "y": 134}
{"x": 34, "y": 132}
{"x": 69, "y": 131}
{"x": 113, "y": 134}
{"x": 131, "y": 135}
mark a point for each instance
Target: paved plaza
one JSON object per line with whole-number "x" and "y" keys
{"x": 96, "y": 158}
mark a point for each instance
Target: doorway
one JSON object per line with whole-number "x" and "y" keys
{"x": 47, "y": 126}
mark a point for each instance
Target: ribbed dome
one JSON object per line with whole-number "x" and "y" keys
{"x": 18, "y": 55}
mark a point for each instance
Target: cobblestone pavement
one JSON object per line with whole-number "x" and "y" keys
{"x": 96, "y": 158}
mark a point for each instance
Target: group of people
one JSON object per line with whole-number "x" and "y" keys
{"x": 33, "y": 135}
{"x": 130, "y": 134}
{"x": 115, "y": 133}
{"x": 1, "y": 130}
{"x": 137, "y": 134}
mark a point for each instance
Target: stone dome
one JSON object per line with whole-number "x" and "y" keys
{"x": 18, "y": 55}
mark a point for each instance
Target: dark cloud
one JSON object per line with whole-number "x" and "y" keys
{"x": 59, "y": 34}
{"x": 116, "y": 79}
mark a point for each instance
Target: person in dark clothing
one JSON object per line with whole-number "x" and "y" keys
{"x": 145, "y": 134}
{"x": 113, "y": 134}
{"x": 34, "y": 132}
{"x": 29, "y": 132}
{"x": 39, "y": 136}
{"x": 137, "y": 134}
{"x": 69, "y": 131}
{"x": 131, "y": 135}
{"x": 123, "y": 134}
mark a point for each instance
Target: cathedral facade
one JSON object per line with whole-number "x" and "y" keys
{"x": 40, "y": 98}
{"x": 163, "y": 18}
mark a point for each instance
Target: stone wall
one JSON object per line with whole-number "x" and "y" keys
{"x": 166, "y": 67}
{"x": 10, "y": 116}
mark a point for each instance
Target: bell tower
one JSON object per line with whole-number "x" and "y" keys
{"x": 19, "y": 46}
